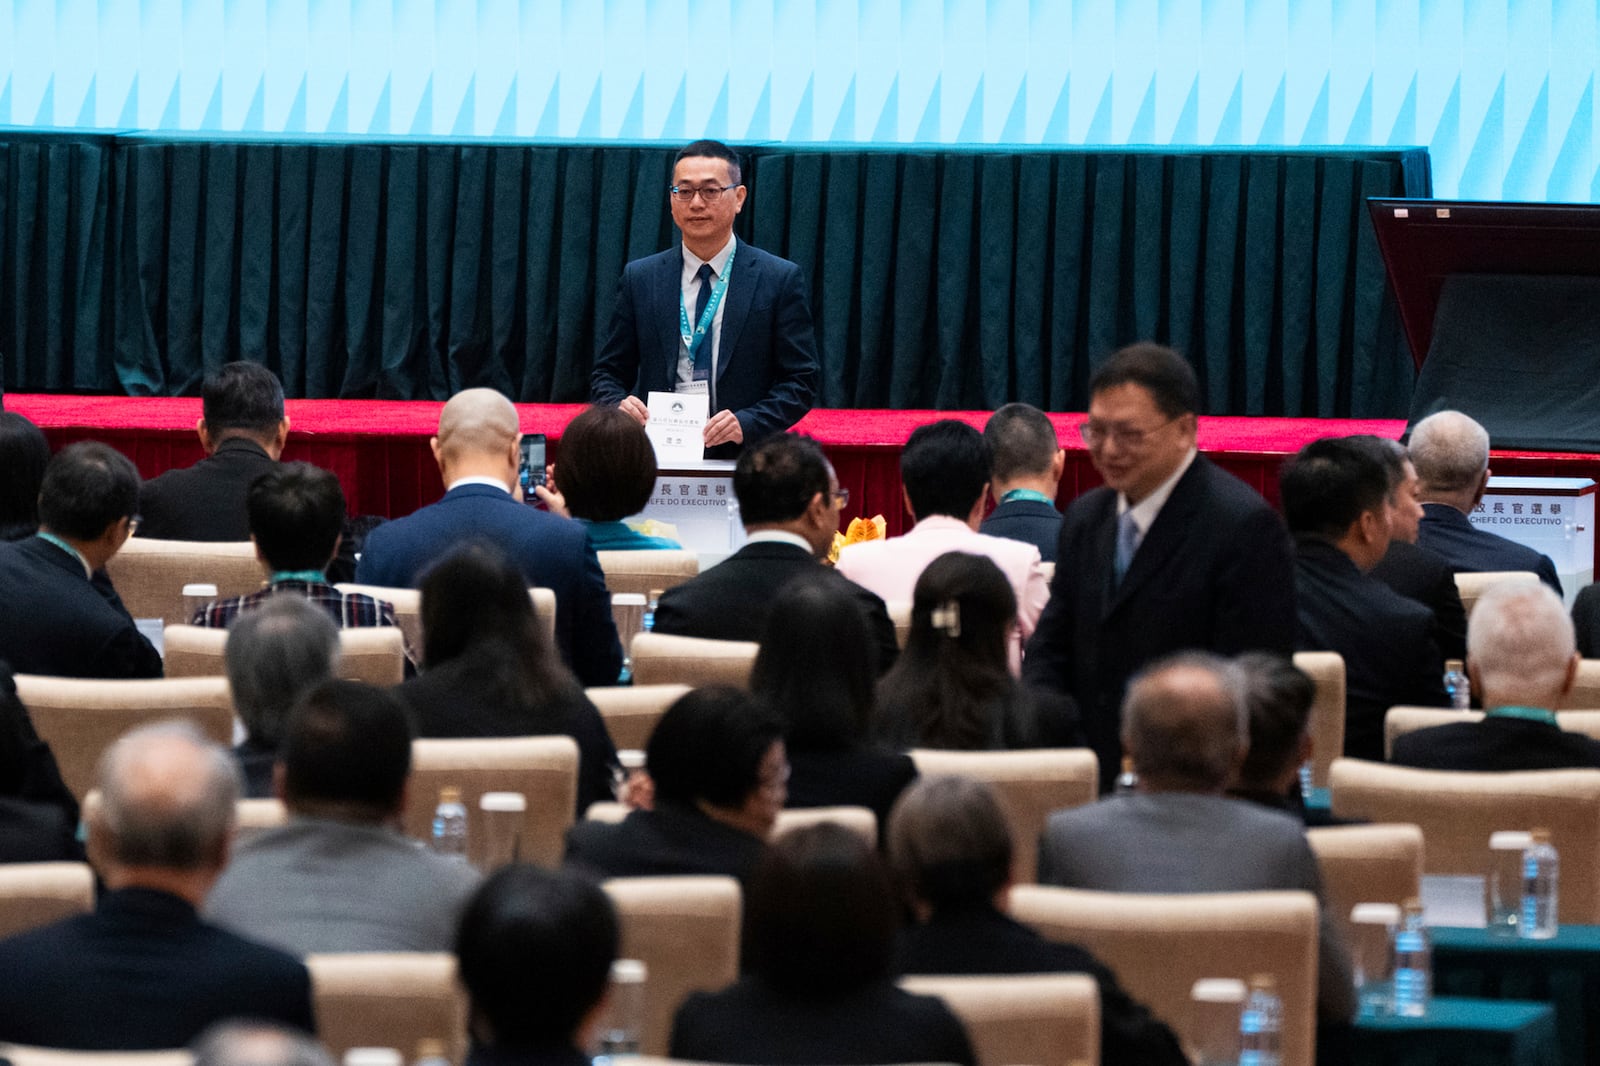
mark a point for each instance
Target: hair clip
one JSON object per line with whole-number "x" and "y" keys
{"x": 947, "y": 618}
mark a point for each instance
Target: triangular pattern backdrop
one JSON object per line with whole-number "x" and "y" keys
{"x": 1501, "y": 91}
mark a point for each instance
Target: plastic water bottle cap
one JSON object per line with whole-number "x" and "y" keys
{"x": 631, "y": 758}
{"x": 510, "y": 802}
{"x": 627, "y": 599}
{"x": 1218, "y": 990}
{"x": 1375, "y": 914}
{"x": 628, "y": 972}
{"x": 206, "y": 589}
{"x": 1510, "y": 840}
{"x": 373, "y": 1056}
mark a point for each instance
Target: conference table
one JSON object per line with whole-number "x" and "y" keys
{"x": 1461, "y": 1032}
{"x": 1563, "y": 972}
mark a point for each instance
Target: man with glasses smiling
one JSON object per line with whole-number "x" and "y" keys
{"x": 1172, "y": 554}
{"x": 714, "y": 315}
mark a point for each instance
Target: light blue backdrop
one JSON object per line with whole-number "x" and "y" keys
{"x": 1501, "y": 91}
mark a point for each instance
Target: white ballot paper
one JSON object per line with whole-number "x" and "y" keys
{"x": 677, "y": 426}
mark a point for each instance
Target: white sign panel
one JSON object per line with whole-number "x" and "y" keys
{"x": 676, "y": 426}
{"x": 1551, "y": 515}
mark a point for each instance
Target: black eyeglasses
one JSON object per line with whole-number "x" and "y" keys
{"x": 1095, "y": 434}
{"x": 710, "y": 194}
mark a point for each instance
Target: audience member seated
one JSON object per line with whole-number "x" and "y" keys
{"x": 488, "y": 669}
{"x": 816, "y": 669}
{"x": 1522, "y": 661}
{"x": 950, "y": 687}
{"x": 24, "y": 453}
{"x": 1415, "y": 572}
{"x": 950, "y": 850}
{"x": 720, "y": 776}
{"x": 1277, "y": 698}
{"x": 76, "y": 626}
{"x": 1335, "y": 497}
{"x": 607, "y": 473}
{"x": 143, "y": 972}
{"x": 38, "y": 814}
{"x": 535, "y": 951}
{"x": 789, "y": 501}
{"x": 1028, "y": 461}
{"x": 818, "y": 982}
{"x": 245, "y": 1043}
{"x": 275, "y": 654}
{"x": 1184, "y": 726}
{"x": 1451, "y": 453}
{"x": 477, "y": 453}
{"x": 1586, "y": 621}
{"x": 945, "y": 474}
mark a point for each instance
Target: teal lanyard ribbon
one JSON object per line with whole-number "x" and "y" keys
{"x": 69, "y": 549}
{"x": 1527, "y": 714}
{"x": 695, "y": 339}
{"x": 1031, "y": 495}
{"x": 311, "y": 577}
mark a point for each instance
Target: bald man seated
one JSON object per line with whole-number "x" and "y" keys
{"x": 476, "y": 450}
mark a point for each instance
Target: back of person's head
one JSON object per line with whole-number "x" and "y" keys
{"x": 818, "y": 664}
{"x": 1450, "y": 451}
{"x": 241, "y": 398}
{"x": 1022, "y": 442}
{"x": 821, "y": 916}
{"x": 24, "y": 453}
{"x": 476, "y": 595}
{"x": 257, "y": 1043}
{"x": 944, "y": 468}
{"x": 608, "y": 466}
{"x": 1184, "y": 723}
{"x": 274, "y": 654}
{"x": 1160, "y": 371}
{"x": 1327, "y": 485}
{"x": 708, "y": 747}
{"x": 1521, "y": 645}
{"x": 535, "y": 949}
{"x": 167, "y": 799}
{"x": 347, "y": 752}
{"x": 296, "y": 514}
{"x": 776, "y": 479}
{"x": 1278, "y": 697}
{"x": 949, "y": 844}
{"x": 477, "y": 423}
{"x": 87, "y": 487}
{"x": 1390, "y": 454}
{"x": 709, "y": 149}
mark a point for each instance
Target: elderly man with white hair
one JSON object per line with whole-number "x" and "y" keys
{"x": 1451, "y": 454}
{"x": 1522, "y": 658}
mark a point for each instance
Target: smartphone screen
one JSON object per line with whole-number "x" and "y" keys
{"x": 530, "y": 471}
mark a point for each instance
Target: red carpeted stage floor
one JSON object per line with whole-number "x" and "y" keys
{"x": 380, "y": 451}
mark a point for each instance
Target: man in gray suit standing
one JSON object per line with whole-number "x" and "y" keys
{"x": 1184, "y": 724}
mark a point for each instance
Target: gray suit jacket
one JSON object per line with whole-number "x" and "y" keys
{"x": 1185, "y": 842}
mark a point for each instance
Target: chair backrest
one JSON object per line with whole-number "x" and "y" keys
{"x": 859, "y": 820}
{"x": 543, "y": 769}
{"x": 24, "y": 1055}
{"x": 1159, "y": 945}
{"x": 641, "y": 571}
{"x": 388, "y": 999}
{"x": 1031, "y": 784}
{"x": 631, "y": 712}
{"x": 900, "y": 615}
{"x": 150, "y": 574}
{"x": 1047, "y": 570}
{"x": 686, "y": 932}
{"x": 1326, "y": 670}
{"x": 38, "y": 893}
{"x": 1458, "y": 811}
{"x": 256, "y": 816}
{"x": 661, "y": 659}
{"x": 1471, "y": 586}
{"x": 80, "y": 718}
{"x": 194, "y": 651}
{"x": 1044, "y": 1019}
{"x": 1399, "y": 721}
{"x": 407, "y": 605}
{"x": 1367, "y": 864}
{"x": 1586, "y": 689}
{"x": 1585, "y": 722}
{"x": 374, "y": 654}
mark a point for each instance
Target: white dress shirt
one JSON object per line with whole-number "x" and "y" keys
{"x": 690, "y": 294}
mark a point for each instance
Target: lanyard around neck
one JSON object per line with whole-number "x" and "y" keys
{"x": 694, "y": 339}
{"x": 1031, "y": 495}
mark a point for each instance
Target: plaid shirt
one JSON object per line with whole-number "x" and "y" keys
{"x": 351, "y": 610}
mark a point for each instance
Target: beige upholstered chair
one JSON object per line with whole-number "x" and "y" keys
{"x": 1458, "y": 811}
{"x": 606, "y": 811}
{"x": 150, "y": 574}
{"x": 859, "y": 820}
{"x": 1585, "y": 694}
{"x": 80, "y": 718}
{"x": 1585, "y": 722}
{"x": 256, "y": 816}
{"x": 1367, "y": 864}
{"x": 641, "y": 571}
{"x": 1402, "y": 720}
{"x": 632, "y": 711}
{"x": 1044, "y": 1019}
{"x": 379, "y": 999}
{"x": 1159, "y": 945}
{"x": 408, "y": 609}
{"x": 375, "y": 654}
{"x": 1031, "y": 784}
{"x": 1471, "y": 586}
{"x": 1326, "y": 670}
{"x": 22, "y": 1055}
{"x": 686, "y": 932}
{"x": 194, "y": 651}
{"x": 900, "y": 615}
{"x": 543, "y": 769}
{"x": 1048, "y": 571}
{"x": 38, "y": 893}
{"x": 660, "y": 659}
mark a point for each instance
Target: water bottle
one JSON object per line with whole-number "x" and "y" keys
{"x": 1457, "y": 685}
{"x": 1307, "y": 780}
{"x": 1260, "y": 1023}
{"x": 624, "y": 1015}
{"x": 1413, "y": 963}
{"x": 1541, "y": 868}
{"x": 1127, "y": 781}
{"x": 648, "y": 622}
{"x": 450, "y": 824}
{"x": 431, "y": 1051}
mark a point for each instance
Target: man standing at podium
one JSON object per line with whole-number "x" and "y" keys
{"x": 714, "y": 315}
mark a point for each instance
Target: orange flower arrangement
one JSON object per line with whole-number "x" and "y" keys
{"x": 860, "y": 529}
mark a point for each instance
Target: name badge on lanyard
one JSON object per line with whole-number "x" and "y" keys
{"x": 697, "y": 340}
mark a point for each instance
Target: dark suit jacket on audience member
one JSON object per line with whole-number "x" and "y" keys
{"x": 140, "y": 973}
{"x": 1497, "y": 743}
{"x": 36, "y": 832}
{"x": 74, "y": 628}
{"x": 1215, "y": 572}
{"x": 1423, "y": 575}
{"x": 671, "y": 839}
{"x": 750, "y": 1022}
{"x": 984, "y": 941}
{"x": 1586, "y": 620}
{"x": 1465, "y": 547}
{"x": 852, "y": 777}
{"x": 1029, "y": 521}
{"x": 205, "y": 501}
{"x": 1390, "y": 658}
{"x": 732, "y": 600}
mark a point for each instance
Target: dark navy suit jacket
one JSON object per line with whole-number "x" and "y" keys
{"x": 553, "y": 553}
{"x": 1467, "y": 548}
{"x": 58, "y": 622}
{"x": 1029, "y": 521}
{"x": 767, "y": 362}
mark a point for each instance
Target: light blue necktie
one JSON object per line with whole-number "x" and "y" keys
{"x": 1127, "y": 543}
